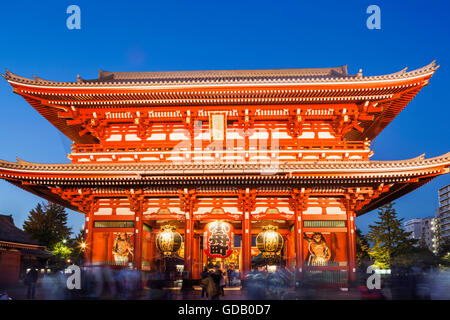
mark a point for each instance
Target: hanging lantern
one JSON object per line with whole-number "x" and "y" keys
{"x": 168, "y": 241}
{"x": 218, "y": 237}
{"x": 269, "y": 242}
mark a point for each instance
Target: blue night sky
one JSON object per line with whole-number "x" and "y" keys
{"x": 199, "y": 35}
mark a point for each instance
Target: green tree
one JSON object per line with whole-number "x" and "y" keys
{"x": 381, "y": 256}
{"x": 62, "y": 251}
{"x": 47, "y": 223}
{"x": 388, "y": 237}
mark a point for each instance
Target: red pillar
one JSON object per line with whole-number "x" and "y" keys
{"x": 196, "y": 258}
{"x": 246, "y": 246}
{"x": 351, "y": 236}
{"x": 151, "y": 250}
{"x": 89, "y": 236}
{"x": 138, "y": 238}
{"x": 287, "y": 245}
{"x": 188, "y": 242}
{"x": 298, "y": 242}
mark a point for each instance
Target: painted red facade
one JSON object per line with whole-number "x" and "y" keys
{"x": 289, "y": 148}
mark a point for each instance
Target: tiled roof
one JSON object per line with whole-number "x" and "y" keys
{"x": 214, "y": 77}
{"x": 186, "y": 168}
{"x": 10, "y": 233}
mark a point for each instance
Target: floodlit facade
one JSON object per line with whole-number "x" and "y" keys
{"x": 444, "y": 212}
{"x": 239, "y": 167}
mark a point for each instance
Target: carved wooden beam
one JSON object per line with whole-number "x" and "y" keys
{"x": 246, "y": 121}
{"x": 136, "y": 199}
{"x": 246, "y": 200}
{"x": 82, "y": 198}
{"x": 299, "y": 198}
{"x": 188, "y": 199}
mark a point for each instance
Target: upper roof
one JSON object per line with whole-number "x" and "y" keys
{"x": 10, "y": 233}
{"x": 223, "y": 77}
{"x": 295, "y": 89}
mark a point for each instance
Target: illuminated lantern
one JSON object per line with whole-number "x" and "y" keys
{"x": 168, "y": 241}
{"x": 269, "y": 242}
{"x": 218, "y": 237}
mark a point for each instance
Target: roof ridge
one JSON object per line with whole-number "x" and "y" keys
{"x": 224, "y": 76}
{"x": 419, "y": 158}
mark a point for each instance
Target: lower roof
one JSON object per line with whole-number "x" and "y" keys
{"x": 11, "y": 234}
{"x": 401, "y": 176}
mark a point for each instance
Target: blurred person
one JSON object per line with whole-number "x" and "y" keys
{"x": 256, "y": 285}
{"x": 156, "y": 284}
{"x": 230, "y": 272}
{"x": 54, "y": 285}
{"x": 109, "y": 283}
{"x": 217, "y": 276}
{"x": 130, "y": 281}
{"x": 30, "y": 281}
{"x": 440, "y": 284}
{"x": 186, "y": 286}
{"x": 204, "y": 275}
{"x": 236, "y": 277}
{"x": 402, "y": 286}
{"x": 4, "y": 295}
{"x": 222, "y": 284}
{"x": 211, "y": 286}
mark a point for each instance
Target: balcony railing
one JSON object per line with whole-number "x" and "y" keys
{"x": 172, "y": 152}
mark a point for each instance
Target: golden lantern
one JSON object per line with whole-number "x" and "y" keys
{"x": 168, "y": 241}
{"x": 269, "y": 241}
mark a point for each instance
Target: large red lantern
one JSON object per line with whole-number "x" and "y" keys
{"x": 218, "y": 237}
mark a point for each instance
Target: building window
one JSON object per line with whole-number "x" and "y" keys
{"x": 324, "y": 223}
{"x": 237, "y": 241}
{"x": 113, "y": 224}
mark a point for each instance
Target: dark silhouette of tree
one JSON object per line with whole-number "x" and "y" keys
{"x": 444, "y": 248}
{"x": 362, "y": 247}
{"x": 47, "y": 223}
{"x": 388, "y": 237}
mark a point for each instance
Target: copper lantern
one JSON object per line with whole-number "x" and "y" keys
{"x": 269, "y": 241}
{"x": 168, "y": 241}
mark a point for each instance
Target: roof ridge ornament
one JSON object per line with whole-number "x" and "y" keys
{"x": 418, "y": 158}
{"x": 359, "y": 74}
{"x": 20, "y": 161}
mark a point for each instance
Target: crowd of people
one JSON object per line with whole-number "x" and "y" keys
{"x": 104, "y": 282}
{"x": 262, "y": 284}
{"x": 214, "y": 280}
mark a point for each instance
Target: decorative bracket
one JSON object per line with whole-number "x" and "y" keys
{"x": 246, "y": 122}
{"x": 295, "y": 124}
{"x": 298, "y": 199}
{"x": 136, "y": 200}
{"x": 247, "y": 200}
{"x": 81, "y": 198}
{"x": 188, "y": 199}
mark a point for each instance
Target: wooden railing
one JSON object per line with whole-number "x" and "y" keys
{"x": 171, "y": 151}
